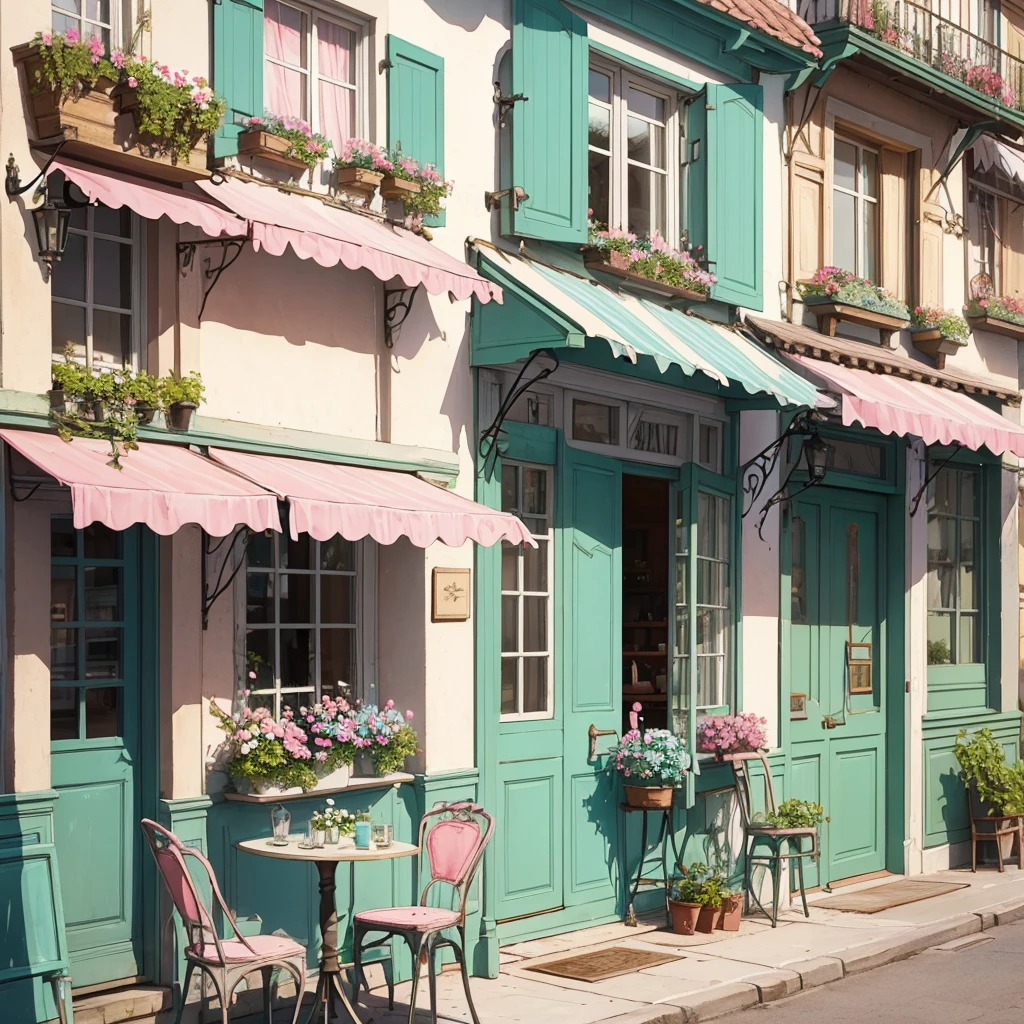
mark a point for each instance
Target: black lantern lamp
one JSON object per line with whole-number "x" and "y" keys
{"x": 819, "y": 456}
{"x": 51, "y": 220}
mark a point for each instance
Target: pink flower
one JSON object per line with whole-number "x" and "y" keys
{"x": 96, "y": 47}
{"x": 133, "y": 82}
{"x": 117, "y": 59}
{"x": 321, "y": 755}
{"x": 46, "y": 38}
{"x": 637, "y": 706}
{"x": 72, "y": 36}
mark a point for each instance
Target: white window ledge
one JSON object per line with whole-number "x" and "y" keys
{"x": 370, "y": 782}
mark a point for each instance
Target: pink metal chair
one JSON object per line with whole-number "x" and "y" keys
{"x": 225, "y": 961}
{"x": 453, "y": 837}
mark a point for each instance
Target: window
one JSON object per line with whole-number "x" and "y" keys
{"x": 954, "y": 569}
{"x": 310, "y": 71}
{"x": 855, "y": 213}
{"x": 594, "y": 422}
{"x": 95, "y": 289}
{"x": 713, "y": 599}
{"x": 634, "y": 154}
{"x": 306, "y": 627}
{"x": 88, "y": 17}
{"x": 527, "y": 580}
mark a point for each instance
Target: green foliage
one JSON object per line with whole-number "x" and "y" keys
{"x": 796, "y": 814}
{"x": 68, "y": 65}
{"x": 938, "y": 652}
{"x": 701, "y": 885}
{"x": 653, "y": 258}
{"x": 983, "y": 761}
{"x": 306, "y": 145}
{"x": 952, "y": 326}
{"x": 174, "y": 389}
{"x": 998, "y": 307}
{"x": 831, "y": 284}
{"x": 391, "y": 757}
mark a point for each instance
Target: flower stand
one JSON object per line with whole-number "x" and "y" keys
{"x": 666, "y": 837}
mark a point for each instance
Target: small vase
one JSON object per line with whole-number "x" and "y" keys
{"x": 334, "y": 835}
{"x": 179, "y": 415}
{"x": 731, "y": 912}
{"x": 684, "y": 917}
{"x": 649, "y": 796}
{"x": 707, "y": 918}
{"x": 319, "y": 837}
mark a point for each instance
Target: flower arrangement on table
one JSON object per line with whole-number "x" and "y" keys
{"x": 651, "y": 258}
{"x": 334, "y": 821}
{"x": 649, "y": 760}
{"x": 951, "y": 326}
{"x": 830, "y": 284}
{"x": 997, "y": 307}
{"x": 731, "y": 734}
{"x": 304, "y": 144}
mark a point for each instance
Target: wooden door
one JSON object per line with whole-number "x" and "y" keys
{"x": 94, "y": 734}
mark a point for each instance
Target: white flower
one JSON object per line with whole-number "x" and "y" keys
{"x": 330, "y": 802}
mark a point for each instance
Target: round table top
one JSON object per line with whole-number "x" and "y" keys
{"x": 342, "y": 851}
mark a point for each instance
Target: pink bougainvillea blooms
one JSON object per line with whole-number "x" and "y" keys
{"x": 731, "y": 734}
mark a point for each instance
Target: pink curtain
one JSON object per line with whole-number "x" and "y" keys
{"x": 336, "y": 60}
{"x": 283, "y": 32}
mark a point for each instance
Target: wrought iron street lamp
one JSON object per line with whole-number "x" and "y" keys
{"x": 51, "y": 220}
{"x": 819, "y": 455}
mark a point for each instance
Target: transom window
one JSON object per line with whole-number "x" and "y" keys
{"x": 527, "y": 580}
{"x": 634, "y": 153}
{"x": 88, "y": 17}
{"x": 95, "y": 289}
{"x": 311, "y": 69}
{"x": 954, "y": 568}
{"x": 855, "y": 219}
{"x": 304, "y": 631}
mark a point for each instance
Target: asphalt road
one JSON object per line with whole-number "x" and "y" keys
{"x": 979, "y": 983}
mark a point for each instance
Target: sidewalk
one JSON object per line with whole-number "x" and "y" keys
{"x": 723, "y": 972}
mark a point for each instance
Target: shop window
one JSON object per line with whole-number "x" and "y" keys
{"x": 87, "y": 17}
{"x": 595, "y": 422}
{"x": 527, "y": 583}
{"x": 96, "y": 288}
{"x": 855, "y": 208}
{"x": 955, "y": 567}
{"x": 312, "y": 69}
{"x": 309, "y": 622}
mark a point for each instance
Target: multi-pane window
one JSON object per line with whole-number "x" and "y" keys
{"x": 633, "y": 156}
{"x": 713, "y": 599}
{"x": 954, "y": 567}
{"x": 311, "y": 69}
{"x": 95, "y": 288}
{"x": 87, "y": 17}
{"x": 302, "y": 618}
{"x": 855, "y": 213}
{"x": 527, "y": 579}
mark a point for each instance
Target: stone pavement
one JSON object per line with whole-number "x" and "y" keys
{"x": 719, "y": 973}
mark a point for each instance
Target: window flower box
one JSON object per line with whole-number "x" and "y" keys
{"x": 996, "y": 314}
{"x": 614, "y": 267}
{"x": 256, "y": 143}
{"x": 830, "y": 314}
{"x": 937, "y": 332}
{"x": 836, "y": 296}
{"x": 994, "y": 325}
{"x": 392, "y": 187}
{"x": 359, "y": 182}
{"x": 649, "y": 263}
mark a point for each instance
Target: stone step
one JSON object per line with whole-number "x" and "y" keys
{"x": 127, "y": 1004}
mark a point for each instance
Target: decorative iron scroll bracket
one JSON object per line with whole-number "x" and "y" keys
{"x": 491, "y": 446}
{"x": 221, "y": 584}
{"x": 916, "y": 503}
{"x": 231, "y": 249}
{"x": 397, "y": 307}
{"x": 506, "y": 103}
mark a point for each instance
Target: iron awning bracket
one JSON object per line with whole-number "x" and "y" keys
{"x": 397, "y": 307}
{"x": 231, "y": 248}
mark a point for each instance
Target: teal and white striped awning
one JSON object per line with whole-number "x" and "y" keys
{"x": 635, "y": 327}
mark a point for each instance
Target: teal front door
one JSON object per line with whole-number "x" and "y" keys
{"x": 837, "y": 658}
{"x": 94, "y": 744}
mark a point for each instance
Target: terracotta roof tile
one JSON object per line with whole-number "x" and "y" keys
{"x": 773, "y": 18}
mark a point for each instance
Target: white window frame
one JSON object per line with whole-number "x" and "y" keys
{"x": 136, "y": 240}
{"x": 520, "y": 593}
{"x": 365, "y": 686}
{"x": 976, "y": 231}
{"x": 622, "y": 79}
{"x": 859, "y": 198}
{"x": 312, "y": 74}
{"x": 88, "y": 27}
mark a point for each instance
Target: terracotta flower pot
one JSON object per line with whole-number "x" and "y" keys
{"x": 179, "y": 415}
{"x": 707, "y": 919}
{"x": 649, "y": 796}
{"x": 684, "y": 917}
{"x": 255, "y": 142}
{"x": 730, "y": 913}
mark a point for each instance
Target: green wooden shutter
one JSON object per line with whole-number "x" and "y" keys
{"x": 549, "y": 129}
{"x": 735, "y": 138}
{"x": 237, "y": 66}
{"x": 416, "y": 105}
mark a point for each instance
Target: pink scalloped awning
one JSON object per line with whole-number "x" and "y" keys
{"x": 895, "y": 405}
{"x": 150, "y": 199}
{"x": 326, "y": 499}
{"x": 163, "y": 486}
{"x": 329, "y": 235}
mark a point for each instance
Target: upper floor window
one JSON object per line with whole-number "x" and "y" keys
{"x": 855, "y": 208}
{"x": 311, "y": 69}
{"x": 87, "y": 17}
{"x": 634, "y": 153}
{"x": 95, "y": 289}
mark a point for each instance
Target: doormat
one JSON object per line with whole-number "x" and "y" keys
{"x": 883, "y": 897}
{"x": 604, "y": 963}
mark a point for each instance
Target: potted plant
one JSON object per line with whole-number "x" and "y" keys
{"x": 145, "y": 395}
{"x": 651, "y": 762}
{"x": 359, "y": 169}
{"x": 286, "y": 141}
{"x": 385, "y": 735}
{"x": 996, "y": 789}
{"x": 333, "y": 823}
{"x": 403, "y": 180}
{"x": 180, "y": 397}
{"x": 732, "y": 912}
{"x": 723, "y": 735}
{"x": 938, "y": 332}
{"x": 330, "y": 726}
{"x": 998, "y": 314}
{"x": 695, "y": 900}
{"x": 793, "y": 813}
{"x": 427, "y": 202}
{"x": 835, "y": 295}
{"x": 651, "y": 261}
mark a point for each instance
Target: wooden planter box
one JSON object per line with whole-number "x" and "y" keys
{"x": 98, "y": 125}
{"x": 398, "y": 188}
{"x": 1004, "y": 327}
{"x": 360, "y": 182}
{"x": 830, "y": 314}
{"x": 254, "y": 142}
{"x": 610, "y": 261}
{"x": 932, "y": 342}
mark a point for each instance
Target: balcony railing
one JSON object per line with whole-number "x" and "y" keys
{"x": 934, "y": 40}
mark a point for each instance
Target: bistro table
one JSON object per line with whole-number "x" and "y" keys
{"x": 327, "y": 858}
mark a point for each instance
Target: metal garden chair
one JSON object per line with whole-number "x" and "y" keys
{"x": 780, "y": 844}
{"x": 453, "y": 838}
{"x": 224, "y": 961}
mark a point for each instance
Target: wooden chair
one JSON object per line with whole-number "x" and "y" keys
{"x": 781, "y": 844}
{"x": 999, "y": 827}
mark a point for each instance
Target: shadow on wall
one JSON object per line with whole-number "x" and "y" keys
{"x": 457, "y": 12}
{"x": 457, "y": 404}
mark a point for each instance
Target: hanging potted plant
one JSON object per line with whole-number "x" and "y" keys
{"x": 938, "y": 332}
{"x": 359, "y": 169}
{"x": 651, "y": 762}
{"x": 180, "y": 397}
{"x": 995, "y": 788}
{"x": 288, "y": 142}
{"x": 724, "y": 735}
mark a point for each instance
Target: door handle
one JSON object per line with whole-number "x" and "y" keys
{"x": 593, "y": 732}
{"x": 828, "y": 722}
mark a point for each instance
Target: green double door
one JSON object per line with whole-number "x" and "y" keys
{"x": 837, "y": 659}
{"x": 95, "y": 746}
